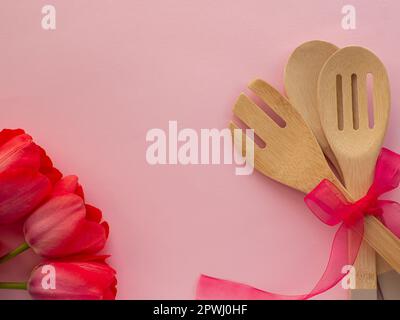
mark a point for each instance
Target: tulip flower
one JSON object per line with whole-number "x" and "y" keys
{"x": 64, "y": 225}
{"x": 26, "y": 175}
{"x": 86, "y": 279}
{"x": 59, "y": 224}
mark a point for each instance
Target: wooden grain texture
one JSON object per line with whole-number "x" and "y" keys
{"x": 343, "y": 109}
{"x": 293, "y": 157}
{"x": 301, "y": 84}
{"x": 301, "y": 79}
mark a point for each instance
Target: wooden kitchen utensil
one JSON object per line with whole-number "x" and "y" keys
{"x": 293, "y": 157}
{"x": 301, "y": 79}
{"x": 343, "y": 109}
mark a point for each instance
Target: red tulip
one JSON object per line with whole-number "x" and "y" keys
{"x": 26, "y": 173}
{"x": 60, "y": 225}
{"x": 83, "y": 280}
{"x": 64, "y": 225}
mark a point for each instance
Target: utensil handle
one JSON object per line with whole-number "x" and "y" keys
{"x": 385, "y": 243}
{"x": 380, "y": 238}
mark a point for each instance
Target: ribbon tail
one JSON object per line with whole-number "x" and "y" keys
{"x": 209, "y": 288}
{"x": 344, "y": 251}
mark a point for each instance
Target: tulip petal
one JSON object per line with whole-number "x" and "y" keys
{"x": 93, "y": 213}
{"x": 19, "y": 152}
{"x": 75, "y": 280}
{"x": 8, "y": 134}
{"x": 85, "y": 258}
{"x": 89, "y": 238}
{"x": 66, "y": 185}
{"x": 47, "y": 168}
{"x": 53, "y": 224}
{"x": 61, "y": 227}
{"x": 22, "y": 191}
{"x": 106, "y": 227}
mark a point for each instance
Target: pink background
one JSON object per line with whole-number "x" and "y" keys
{"x": 89, "y": 91}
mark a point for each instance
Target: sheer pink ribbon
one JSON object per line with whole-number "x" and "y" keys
{"x": 331, "y": 207}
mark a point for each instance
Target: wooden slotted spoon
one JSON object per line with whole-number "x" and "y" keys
{"x": 343, "y": 109}
{"x": 301, "y": 84}
{"x": 293, "y": 157}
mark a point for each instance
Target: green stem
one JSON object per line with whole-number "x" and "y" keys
{"x": 14, "y": 252}
{"x": 13, "y": 285}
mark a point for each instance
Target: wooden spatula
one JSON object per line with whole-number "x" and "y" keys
{"x": 293, "y": 157}
{"x": 343, "y": 108}
{"x": 301, "y": 80}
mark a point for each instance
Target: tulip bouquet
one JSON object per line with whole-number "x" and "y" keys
{"x": 59, "y": 225}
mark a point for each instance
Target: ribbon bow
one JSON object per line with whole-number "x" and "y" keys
{"x": 332, "y": 208}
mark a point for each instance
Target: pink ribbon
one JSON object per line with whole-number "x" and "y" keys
{"x": 331, "y": 207}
